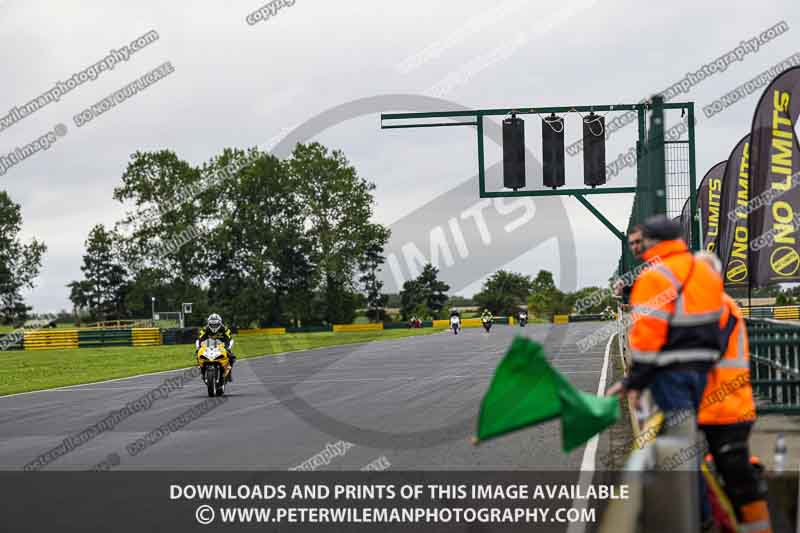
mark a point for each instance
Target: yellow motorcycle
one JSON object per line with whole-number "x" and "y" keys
{"x": 215, "y": 365}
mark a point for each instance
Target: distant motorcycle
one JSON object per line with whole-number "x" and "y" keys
{"x": 523, "y": 319}
{"x": 455, "y": 323}
{"x": 487, "y": 323}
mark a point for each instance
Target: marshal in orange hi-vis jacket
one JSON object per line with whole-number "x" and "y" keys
{"x": 728, "y": 397}
{"x": 677, "y": 307}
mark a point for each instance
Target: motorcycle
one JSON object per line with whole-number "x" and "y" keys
{"x": 215, "y": 365}
{"x": 414, "y": 323}
{"x": 455, "y": 323}
{"x": 487, "y": 323}
{"x": 523, "y": 320}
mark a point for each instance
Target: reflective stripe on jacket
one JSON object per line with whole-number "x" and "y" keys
{"x": 676, "y": 310}
{"x": 728, "y": 396}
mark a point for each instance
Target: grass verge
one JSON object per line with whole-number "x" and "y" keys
{"x": 38, "y": 370}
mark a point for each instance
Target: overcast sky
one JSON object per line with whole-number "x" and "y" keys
{"x": 237, "y": 84}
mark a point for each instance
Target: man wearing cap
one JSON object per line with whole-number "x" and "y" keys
{"x": 675, "y": 337}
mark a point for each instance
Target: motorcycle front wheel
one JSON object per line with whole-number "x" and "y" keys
{"x": 211, "y": 379}
{"x": 221, "y": 382}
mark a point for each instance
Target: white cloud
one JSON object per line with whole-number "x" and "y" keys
{"x": 238, "y": 85}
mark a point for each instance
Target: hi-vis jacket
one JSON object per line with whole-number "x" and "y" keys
{"x": 728, "y": 396}
{"x": 676, "y": 310}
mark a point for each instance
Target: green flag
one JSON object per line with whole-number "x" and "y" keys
{"x": 526, "y": 391}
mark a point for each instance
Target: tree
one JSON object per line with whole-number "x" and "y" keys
{"x": 173, "y": 205}
{"x": 433, "y": 290}
{"x": 102, "y": 291}
{"x": 504, "y": 292}
{"x": 294, "y": 279}
{"x": 19, "y": 263}
{"x": 169, "y": 293}
{"x": 261, "y": 245}
{"x": 370, "y": 265}
{"x": 425, "y": 293}
{"x": 410, "y": 299}
{"x": 591, "y": 300}
{"x": 545, "y": 299}
{"x": 274, "y": 242}
{"x": 337, "y": 207}
{"x": 784, "y": 298}
{"x": 461, "y": 301}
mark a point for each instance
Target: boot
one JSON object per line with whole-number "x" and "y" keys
{"x": 755, "y": 517}
{"x": 232, "y": 360}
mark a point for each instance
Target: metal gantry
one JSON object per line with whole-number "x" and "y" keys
{"x": 650, "y": 189}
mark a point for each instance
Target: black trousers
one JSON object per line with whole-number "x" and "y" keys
{"x": 728, "y": 446}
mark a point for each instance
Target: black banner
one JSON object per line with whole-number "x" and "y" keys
{"x": 733, "y": 237}
{"x": 685, "y": 220}
{"x": 774, "y": 163}
{"x": 708, "y": 202}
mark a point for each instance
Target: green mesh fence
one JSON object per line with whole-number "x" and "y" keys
{"x": 677, "y": 176}
{"x": 665, "y": 171}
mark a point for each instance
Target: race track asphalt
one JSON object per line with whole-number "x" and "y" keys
{"x": 409, "y": 404}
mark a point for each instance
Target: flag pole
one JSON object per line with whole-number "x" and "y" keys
{"x": 749, "y": 263}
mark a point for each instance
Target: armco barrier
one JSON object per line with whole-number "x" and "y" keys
{"x": 349, "y": 328}
{"x": 778, "y": 312}
{"x": 263, "y": 331}
{"x": 146, "y": 336}
{"x": 179, "y": 336}
{"x": 309, "y": 329}
{"x": 51, "y": 340}
{"x": 586, "y": 318}
{"x": 90, "y": 338}
{"x": 786, "y": 313}
{"x": 98, "y": 338}
{"x": 395, "y": 325}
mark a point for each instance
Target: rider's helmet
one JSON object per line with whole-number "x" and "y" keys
{"x": 214, "y": 323}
